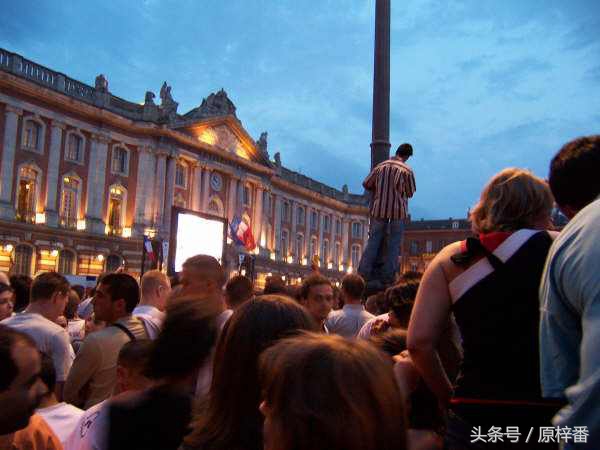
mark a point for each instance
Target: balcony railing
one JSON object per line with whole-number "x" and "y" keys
{"x": 68, "y": 222}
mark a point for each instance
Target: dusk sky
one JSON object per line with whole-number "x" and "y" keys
{"x": 476, "y": 86}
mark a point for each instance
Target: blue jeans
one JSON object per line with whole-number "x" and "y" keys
{"x": 377, "y": 231}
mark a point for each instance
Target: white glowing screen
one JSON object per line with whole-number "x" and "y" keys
{"x": 198, "y": 236}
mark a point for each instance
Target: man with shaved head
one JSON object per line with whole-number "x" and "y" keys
{"x": 155, "y": 289}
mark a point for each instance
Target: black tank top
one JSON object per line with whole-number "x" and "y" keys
{"x": 496, "y": 306}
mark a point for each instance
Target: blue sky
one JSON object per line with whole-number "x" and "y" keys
{"x": 476, "y": 86}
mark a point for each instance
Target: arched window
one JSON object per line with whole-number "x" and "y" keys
{"x": 356, "y": 230}
{"x": 69, "y": 201}
{"x": 181, "y": 175}
{"x": 326, "y": 223}
{"x": 299, "y": 247}
{"x": 32, "y": 135}
{"x": 300, "y": 216}
{"x": 313, "y": 220}
{"x": 337, "y": 254}
{"x": 27, "y": 191}
{"x": 285, "y": 211}
{"x": 215, "y": 206}
{"x": 22, "y": 261}
{"x": 324, "y": 251}
{"x": 66, "y": 262}
{"x": 313, "y": 247}
{"x": 113, "y": 262}
{"x": 120, "y": 161}
{"x": 74, "y": 150}
{"x": 355, "y": 255}
{"x": 247, "y": 196}
{"x": 284, "y": 244}
{"x": 117, "y": 199}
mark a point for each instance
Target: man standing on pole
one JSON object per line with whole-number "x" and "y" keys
{"x": 391, "y": 184}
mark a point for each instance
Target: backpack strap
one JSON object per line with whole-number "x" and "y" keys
{"x": 125, "y": 330}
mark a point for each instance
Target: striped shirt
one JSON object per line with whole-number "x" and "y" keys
{"x": 392, "y": 183}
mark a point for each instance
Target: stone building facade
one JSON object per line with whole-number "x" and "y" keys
{"x": 84, "y": 175}
{"x": 423, "y": 239}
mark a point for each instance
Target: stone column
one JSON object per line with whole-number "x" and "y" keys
{"x": 144, "y": 189}
{"x": 169, "y": 192}
{"x": 308, "y": 233}
{"x": 257, "y": 221}
{"x": 345, "y": 241}
{"x": 95, "y": 185}
{"x": 159, "y": 188}
{"x": 292, "y": 244}
{"x": 205, "y": 189}
{"x": 277, "y": 224}
{"x": 197, "y": 188}
{"x": 9, "y": 147}
{"x": 52, "y": 179}
{"x": 232, "y": 195}
{"x": 322, "y": 257}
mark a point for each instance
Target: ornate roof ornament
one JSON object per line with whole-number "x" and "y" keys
{"x": 216, "y": 104}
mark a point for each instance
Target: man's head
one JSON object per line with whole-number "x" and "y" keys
{"x": 237, "y": 290}
{"x": 574, "y": 170}
{"x": 72, "y": 305}
{"x": 353, "y": 288}
{"x": 202, "y": 274}
{"x": 7, "y": 301}
{"x": 116, "y": 296}
{"x": 20, "y": 386}
{"x": 317, "y": 296}
{"x": 50, "y": 290}
{"x": 274, "y": 284}
{"x": 156, "y": 288}
{"x": 404, "y": 151}
{"x": 131, "y": 364}
{"x": 401, "y": 299}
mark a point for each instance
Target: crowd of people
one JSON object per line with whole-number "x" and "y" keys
{"x": 496, "y": 341}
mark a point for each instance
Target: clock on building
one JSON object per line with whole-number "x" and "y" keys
{"x": 216, "y": 182}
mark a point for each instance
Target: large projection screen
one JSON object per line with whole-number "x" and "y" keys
{"x": 194, "y": 234}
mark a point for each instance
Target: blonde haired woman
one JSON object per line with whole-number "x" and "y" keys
{"x": 490, "y": 284}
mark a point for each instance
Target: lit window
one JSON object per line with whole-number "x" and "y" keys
{"x": 455, "y": 225}
{"x": 313, "y": 247}
{"x": 31, "y": 135}
{"x": 120, "y": 161}
{"x": 338, "y": 227}
{"x": 22, "y": 260}
{"x": 116, "y": 208}
{"x": 69, "y": 202}
{"x": 355, "y": 255}
{"x": 180, "y": 175}
{"x": 74, "y": 148}
{"x": 27, "y": 188}
{"x": 299, "y": 247}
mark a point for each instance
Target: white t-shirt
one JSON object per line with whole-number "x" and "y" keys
{"x": 50, "y": 338}
{"x": 365, "y": 331}
{"x": 152, "y": 317}
{"x": 62, "y": 418}
{"x": 205, "y": 373}
{"x": 90, "y": 430}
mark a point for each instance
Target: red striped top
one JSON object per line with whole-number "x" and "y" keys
{"x": 392, "y": 183}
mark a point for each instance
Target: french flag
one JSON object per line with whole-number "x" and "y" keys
{"x": 241, "y": 233}
{"x": 149, "y": 250}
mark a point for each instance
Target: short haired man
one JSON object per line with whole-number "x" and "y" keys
{"x": 93, "y": 375}
{"x": 316, "y": 295}
{"x": 21, "y": 390}
{"x": 203, "y": 277}
{"x": 48, "y": 298}
{"x": 349, "y": 320}
{"x": 391, "y": 183}
{"x": 570, "y": 292}
{"x": 274, "y": 284}
{"x": 60, "y": 416}
{"x": 156, "y": 288}
{"x": 91, "y": 431}
{"x": 238, "y": 289}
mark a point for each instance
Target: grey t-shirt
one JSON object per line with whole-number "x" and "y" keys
{"x": 49, "y": 337}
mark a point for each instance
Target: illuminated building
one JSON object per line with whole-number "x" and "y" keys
{"x": 85, "y": 174}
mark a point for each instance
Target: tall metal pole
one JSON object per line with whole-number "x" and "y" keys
{"x": 380, "y": 144}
